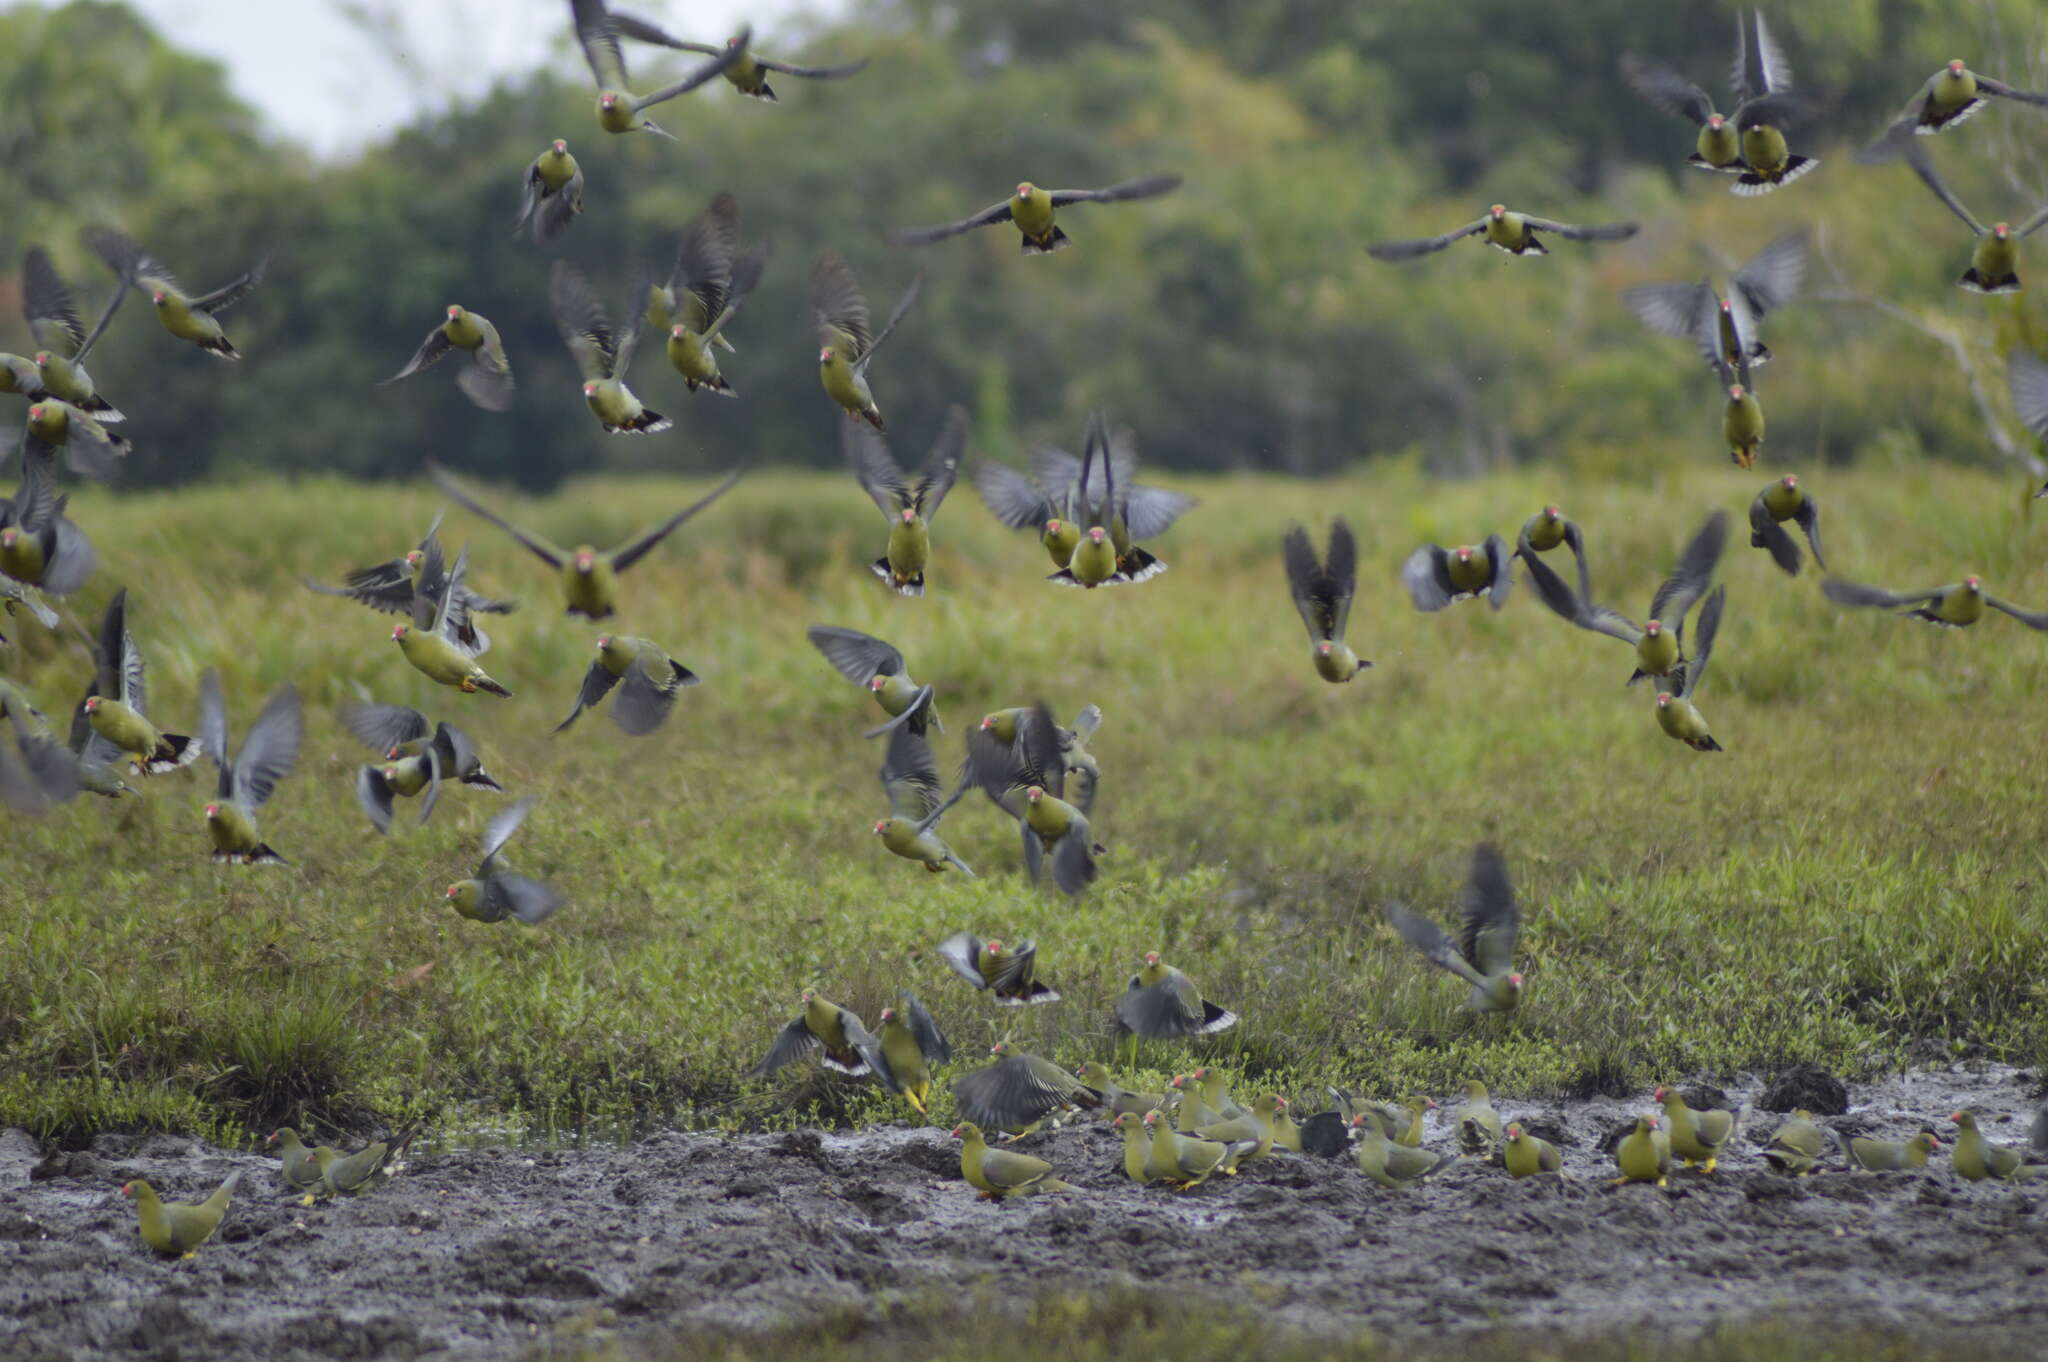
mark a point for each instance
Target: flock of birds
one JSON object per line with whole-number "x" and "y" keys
{"x": 1089, "y": 513}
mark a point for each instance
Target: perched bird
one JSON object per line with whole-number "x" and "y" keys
{"x": 184, "y": 316}
{"x": 998, "y": 1173}
{"x": 1888, "y": 1156}
{"x": 487, "y": 379}
{"x": 691, "y": 344}
{"x": 175, "y": 1228}
{"x": 39, "y": 545}
{"x": 416, "y": 756}
{"x": 269, "y": 751}
{"x": 1719, "y": 145}
{"x": 1478, "y": 1124}
{"x": 1644, "y": 1154}
{"x": 58, "y": 367}
{"x": 1402, "y": 1122}
{"x": 908, "y": 508}
{"x": 599, "y": 31}
{"x": 90, "y": 448}
{"x": 1976, "y": 1158}
{"x": 748, "y": 74}
{"x": 910, "y": 778}
{"x": 550, "y": 193}
{"x": 1116, "y": 1100}
{"x": 116, "y": 705}
{"x": 1762, "y": 117}
{"x": 1515, "y": 233}
{"x": 371, "y": 1166}
{"x": 495, "y": 893}
{"x": 1484, "y": 955}
{"x": 1436, "y": 577}
{"x": 1525, "y": 1155}
{"x": 1797, "y": 1146}
{"x": 1659, "y": 641}
{"x": 1779, "y": 502}
{"x": 1026, "y": 776}
{"x": 432, "y": 642}
{"x": 902, "y": 1048}
{"x": 1161, "y": 1003}
{"x": 1994, "y": 263}
{"x": 1951, "y": 95}
{"x": 1216, "y": 1093}
{"x": 1287, "y": 1135}
{"x": 1322, "y": 592}
{"x": 1019, "y": 1091}
{"x": 1697, "y": 1137}
{"x": 847, "y": 343}
{"x": 1766, "y": 282}
{"x": 1006, "y": 971}
{"x": 1254, "y": 1124}
{"x": 1676, "y": 714}
{"x": 824, "y": 1029}
{"x": 394, "y": 586}
{"x": 647, "y": 678}
{"x": 1032, "y": 209}
{"x": 589, "y": 577}
{"x": 1138, "y": 1166}
{"x": 1544, "y": 531}
{"x": 1389, "y": 1164}
{"x": 878, "y": 668}
{"x": 1187, "y": 1161}
{"x": 602, "y": 356}
{"x": 1190, "y": 1108}
{"x": 1956, "y": 606}
{"x": 1117, "y": 516}
{"x": 298, "y": 1167}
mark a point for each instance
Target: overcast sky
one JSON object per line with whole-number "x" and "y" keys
{"x": 345, "y": 91}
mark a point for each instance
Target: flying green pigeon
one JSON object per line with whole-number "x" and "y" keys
{"x": 1659, "y": 641}
{"x": 1766, "y": 282}
{"x": 39, "y": 545}
{"x": 432, "y": 642}
{"x": 1161, "y": 1003}
{"x": 1761, "y": 118}
{"x": 1719, "y": 145}
{"x": 1023, "y": 501}
{"x": 1026, "y": 777}
{"x": 647, "y": 678}
{"x": 599, "y": 32}
{"x": 911, "y": 780}
{"x": 1032, "y": 209}
{"x": 269, "y": 751}
{"x": 1544, "y": 531}
{"x": 847, "y": 343}
{"x": 415, "y": 755}
{"x": 1484, "y": 955}
{"x": 1676, "y": 714}
{"x": 1006, "y": 971}
{"x": 550, "y": 193}
{"x": 824, "y": 1029}
{"x": 908, "y": 508}
{"x": 177, "y": 1229}
{"x": 487, "y": 379}
{"x": 748, "y": 74}
{"x": 187, "y": 317}
{"x": 1105, "y": 495}
{"x": 691, "y": 346}
{"x": 116, "y": 706}
{"x": 495, "y": 893}
{"x": 1019, "y": 1090}
{"x": 1322, "y": 592}
{"x": 903, "y": 1048}
{"x": 879, "y": 668}
{"x": 1994, "y": 263}
{"x": 1950, "y": 96}
{"x": 602, "y": 356}
{"x": 1948, "y": 607}
{"x": 1436, "y": 576}
{"x": 1779, "y": 502}
{"x": 1515, "y": 233}
{"x": 393, "y": 586}
{"x": 90, "y": 448}
{"x": 58, "y": 367}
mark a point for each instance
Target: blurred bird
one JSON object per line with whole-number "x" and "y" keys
{"x": 1033, "y": 209}
{"x": 589, "y": 578}
{"x": 39, "y": 545}
{"x": 116, "y": 705}
{"x": 647, "y": 679}
{"x": 1948, "y": 607}
{"x": 909, "y": 509}
{"x": 902, "y": 1049}
{"x": 1436, "y": 577}
{"x": 1950, "y": 96}
{"x": 602, "y": 356}
{"x": 1766, "y": 282}
{"x": 839, "y": 315}
{"x": 1660, "y": 640}
{"x": 1026, "y": 777}
{"x": 690, "y": 346}
{"x": 1161, "y": 1003}
{"x": 90, "y": 448}
{"x": 1676, "y": 714}
{"x": 1118, "y": 1101}
{"x": 1547, "y": 529}
{"x": 1515, "y": 233}
{"x": 878, "y": 668}
{"x": 1402, "y": 1123}
{"x": 1697, "y": 1137}
{"x": 1006, "y": 971}
{"x": 432, "y": 642}
{"x": 416, "y": 756}
{"x": 1322, "y": 592}
{"x": 1019, "y": 1091}
{"x": 184, "y": 316}
{"x": 487, "y": 379}
{"x": 748, "y": 75}
{"x": 174, "y": 1228}
{"x": 1888, "y": 1156}
{"x": 57, "y": 369}
{"x": 1525, "y": 1155}
{"x": 999, "y": 1173}
{"x": 1762, "y": 118}
{"x": 550, "y": 193}
{"x": 269, "y": 751}
{"x": 1112, "y": 501}
{"x": 2026, "y": 375}
{"x": 37, "y": 772}
{"x": 1254, "y": 1124}
{"x": 1994, "y": 263}
{"x": 1022, "y": 501}
{"x": 392, "y": 587}
{"x": 1391, "y": 1165}
{"x": 1976, "y": 1158}
{"x": 824, "y": 1029}
{"x": 1719, "y": 145}
{"x": 495, "y": 893}
{"x": 1485, "y": 955}
{"x": 296, "y": 1164}
{"x": 1779, "y": 502}
{"x": 910, "y": 778}
{"x": 1796, "y": 1146}
{"x": 1477, "y": 1123}
{"x": 1644, "y": 1154}
{"x": 599, "y": 31}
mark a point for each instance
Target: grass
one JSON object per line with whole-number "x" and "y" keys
{"x": 1860, "y": 871}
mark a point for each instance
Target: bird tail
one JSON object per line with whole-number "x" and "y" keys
{"x": 484, "y": 683}
{"x": 482, "y": 779}
{"x": 1066, "y": 577}
{"x": 765, "y": 93}
{"x": 648, "y": 422}
{"x": 717, "y": 386}
{"x": 1975, "y": 282}
{"x": 172, "y": 751}
{"x": 902, "y": 586}
{"x": 1706, "y": 744}
{"x": 1139, "y": 564}
{"x": 262, "y": 855}
{"x": 1047, "y": 244}
{"x": 1749, "y": 184}
{"x": 221, "y": 346}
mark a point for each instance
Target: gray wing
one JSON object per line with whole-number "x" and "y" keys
{"x": 1703, "y": 647}
{"x": 1408, "y": 250}
{"x": 942, "y": 464}
{"x": 1669, "y": 309}
{"x": 270, "y": 748}
{"x": 433, "y": 794}
{"x": 125, "y": 256}
{"x": 1307, "y": 585}
{"x": 213, "y": 723}
{"x": 1738, "y": 72}
{"x": 746, "y": 274}
{"x": 1770, "y": 59}
{"x": 1503, "y": 571}
{"x": 962, "y": 953}
{"x": 814, "y": 72}
{"x": 704, "y": 256}
{"x": 1150, "y": 510}
{"x": 1170, "y": 1008}
{"x": 1695, "y": 570}
{"x": 629, "y": 554}
{"x": 1923, "y": 166}
{"x": 373, "y": 792}
{"x": 837, "y": 303}
{"x": 931, "y": 1042}
{"x": 1856, "y": 594}
{"x": 510, "y": 895}
{"x": 1808, "y": 519}
{"x": 645, "y": 699}
{"x": 459, "y": 758}
{"x": 909, "y": 775}
{"x": 500, "y": 829}
{"x": 2026, "y": 373}
{"x": 1013, "y": 498}
{"x": 1606, "y": 231}
{"x": 2004, "y": 91}
{"x": 46, "y": 301}
{"x": 383, "y": 727}
{"x": 2032, "y": 619}
{"x": 1086, "y": 722}
{"x": 902, "y": 309}
{"x": 581, "y": 322}
{"x": 1552, "y": 590}
{"x": 70, "y": 564}
{"x": 858, "y": 657}
{"x": 1666, "y": 89}
{"x": 432, "y": 350}
{"x": 925, "y": 236}
{"x": 533, "y": 543}
{"x": 1427, "y": 579}
{"x": 127, "y": 681}
{"x": 1766, "y": 533}
{"x": 867, "y": 453}
{"x": 1073, "y": 858}
{"x": 704, "y": 71}
{"x": 1011, "y": 1092}
{"x": 598, "y": 34}
{"x": 232, "y": 292}
{"x": 1772, "y": 277}
{"x": 1148, "y": 187}
{"x": 597, "y": 683}
{"x": 1434, "y": 943}
{"x": 1491, "y": 920}
{"x": 792, "y": 1043}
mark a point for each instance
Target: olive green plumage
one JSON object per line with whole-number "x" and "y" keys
{"x": 392, "y": 587}
{"x": 188, "y": 317}
{"x": 648, "y": 681}
{"x": 434, "y": 640}
{"x": 908, "y": 507}
{"x": 1161, "y": 1003}
{"x": 999, "y": 1173}
{"x": 1947, "y": 607}
{"x": 1033, "y": 208}
{"x": 1254, "y": 1124}
{"x": 1994, "y": 261}
{"x": 1659, "y": 641}
{"x": 1026, "y": 775}
{"x": 1322, "y": 590}
{"x": 117, "y": 705}
{"x": 603, "y": 356}
{"x": 910, "y": 778}
{"x": 39, "y": 545}
{"x": 495, "y": 892}
{"x": 1976, "y": 1158}
{"x": 1697, "y": 1137}
{"x": 416, "y": 755}
{"x": 903, "y": 1048}
{"x": 1388, "y": 1164}
{"x": 1524, "y": 1155}
{"x": 748, "y": 73}
{"x": 1718, "y": 146}
{"x": 1764, "y": 283}
{"x": 1118, "y": 1101}
{"x": 90, "y": 449}
{"x": 1484, "y": 954}
{"x": 1548, "y": 529}
{"x": 1677, "y": 715}
{"x": 1949, "y": 97}
{"x": 846, "y": 339}
{"x": 487, "y": 379}
{"x": 1186, "y": 1161}
{"x": 1797, "y": 1146}
{"x": 177, "y": 1229}
{"x": 824, "y": 1030}
{"x": 269, "y": 751}
{"x": 1477, "y": 1123}
{"x": 600, "y": 31}
{"x": 1019, "y": 1091}
{"x": 1748, "y": 144}
{"x": 1888, "y": 1156}
{"x": 1105, "y": 500}
{"x": 1515, "y": 233}
{"x": 298, "y": 1167}
{"x": 550, "y": 193}
{"x": 57, "y": 368}
{"x": 878, "y": 668}
{"x": 1402, "y": 1121}
{"x": 706, "y": 288}
{"x": 1190, "y": 1108}
{"x": 1644, "y": 1154}
{"x": 1779, "y": 502}
{"x": 1138, "y": 1164}
{"x": 1436, "y": 576}
{"x": 1006, "y": 971}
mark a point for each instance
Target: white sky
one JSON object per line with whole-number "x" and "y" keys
{"x": 344, "y": 91}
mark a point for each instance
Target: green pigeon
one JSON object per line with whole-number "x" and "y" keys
{"x": 999, "y": 1173}
{"x": 432, "y": 641}
{"x": 1187, "y": 1161}
{"x": 1025, "y": 501}
{"x": 1697, "y": 1137}
{"x": 487, "y": 379}
{"x": 878, "y": 668}
{"x": 1083, "y": 772}
{"x": 1797, "y": 1146}
{"x": 1322, "y": 591}
{"x": 602, "y": 356}
{"x": 847, "y": 342}
{"x": 1484, "y": 954}
{"x": 1026, "y": 777}
{"x": 99, "y": 762}
{"x": 416, "y": 755}
{"x": 1950, "y": 96}
{"x": 1138, "y": 1165}
{"x": 495, "y": 893}
{"x": 1161, "y": 1003}
{"x": 57, "y": 369}
{"x": 1112, "y": 509}
{"x": 1525, "y": 1155}
{"x": 1761, "y": 117}
{"x": 1119, "y": 1101}
{"x": 299, "y": 1169}
{"x": 1765, "y": 283}
{"x": 1994, "y": 263}
{"x": 185, "y": 316}
{"x": 391, "y": 588}
{"x": 1644, "y": 1154}
{"x": 1216, "y": 1093}
{"x": 1515, "y": 233}
{"x": 348, "y": 1174}
{"x": 1888, "y": 1156}
{"x": 1388, "y": 1164}
{"x": 1719, "y": 145}
{"x": 116, "y": 707}
{"x": 1032, "y": 209}
{"x": 910, "y": 778}
{"x": 1019, "y": 1091}
{"x": 823, "y": 1029}
{"x": 269, "y": 751}
{"x": 694, "y": 294}
{"x": 903, "y": 1047}
{"x": 691, "y": 345}
{"x": 1190, "y": 1109}
{"x": 599, "y": 31}
{"x": 1547, "y": 529}
{"x": 1007, "y": 972}
{"x": 1437, "y": 577}
{"x": 1478, "y": 1124}
{"x": 748, "y": 73}
{"x": 1957, "y": 606}
{"x": 909, "y": 508}
{"x": 1403, "y": 1123}
{"x": 90, "y": 448}
{"x": 37, "y": 772}
{"x": 550, "y": 193}
{"x": 1254, "y": 1124}
{"x": 647, "y": 678}
{"x": 1779, "y": 502}
{"x": 1659, "y": 641}
{"x": 2026, "y": 374}
{"x": 39, "y": 545}
{"x": 1976, "y": 1158}
{"x": 1676, "y": 714}
{"x": 175, "y": 1228}
{"x": 1742, "y": 415}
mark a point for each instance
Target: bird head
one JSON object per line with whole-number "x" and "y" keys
{"x": 1789, "y": 481}
{"x": 825, "y": 355}
{"x": 1322, "y": 650}
{"x": 561, "y": 147}
{"x": 881, "y": 827}
{"x": 1053, "y": 526}
{"x": 988, "y": 723}
{"x": 1001, "y": 1047}
{"x": 391, "y": 772}
{"x": 212, "y": 812}
{"x": 2001, "y": 230}
{"x": 888, "y": 1014}
{"x": 733, "y": 41}
{"x": 37, "y": 411}
{"x": 157, "y": 297}
{"x": 1358, "y": 1122}
{"x": 453, "y": 890}
{"x": 128, "y": 1189}
{"x": 8, "y": 536}
{"x": 1653, "y": 1122}
{"x": 1279, "y": 1102}
{"x": 92, "y": 704}
{"x": 1653, "y": 627}
{"x": 1955, "y": 68}
{"x": 1661, "y": 1094}
{"x": 399, "y": 631}
{"x": 412, "y": 558}
{"x": 1735, "y": 391}
{"x": 1960, "y": 1116}
{"x": 1497, "y": 212}
{"x": 1151, "y": 1120}
{"x": 1095, "y": 536}
{"x": 1715, "y": 121}
{"x": 1663, "y": 699}
{"x": 586, "y": 559}
{"x": 1124, "y": 1120}
{"x": 1151, "y": 957}
{"x": 603, "y": 641}
{"x": 391, "y": 753}
{"x": 1552, "y": 513}
{"x": 960, "y": 1131}
{"x": 876, "y": 683}
{"x": 274, "y": 1137}
{"x": 1972, "y": 585}
{"x": 1034, "y": 794}
{"x": 454, "y": 311}
{"x": 1515, "y": 986}
{"x": 678, "y": 331}
{"x": 1727, "y": 308}
{"x": 909, "y": 514}
{"x": 1024, "y": 189}
{"x": 607, "y": 101}
{"x": 43, "y": 356}
{"x": 590, "y": 387}
{"x": 1927, "y": 1138}
{"x": 1464, "y": 554}
{"x": 1514, "y": 1132}
{"x": 809, "y": 995}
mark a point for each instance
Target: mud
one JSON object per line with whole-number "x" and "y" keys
{"x": 481, "y": 1253}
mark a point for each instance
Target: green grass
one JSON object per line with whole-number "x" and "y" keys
{"x": 1859, "y": 871}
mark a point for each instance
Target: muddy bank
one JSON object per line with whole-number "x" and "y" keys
{"x": 480, "y": 1253}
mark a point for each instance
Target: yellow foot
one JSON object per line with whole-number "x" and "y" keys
{"x": 1708, "y": 1166}
{"x": 1662, "y": 1181}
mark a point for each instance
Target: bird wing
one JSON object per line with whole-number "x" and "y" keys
{"x": 839, "y": 310}
{"x": 708, "y": 70}
{"x": 867, "y": 453}
{"x": 1808, "y": 519}
{"x": 1767, "y": 110}
{"x": 1012, "y": 1092}
{"x": 499, "y": 830}
{"x": 1491, "y": 920}
{"x": 942, "y": 464}
{"x": 925, "y": 236}
{"x": 910, "y": 776}
{"x": 1924, "y": 168}
{"x": 1767, "y": 533}
{"x": 962, "y": 953}
{"x": 858, "y": 657}
{"x": 1772, "y": 277}
{"x": 745, "y": 276}
{"x": 1408, "y": 250}
{"x": 1147, "y": 187}
{"x": 597, "y": 683}
{"x": 1427, "y": 578}
{"x": 2026, "y": 374}
{"x": 1666, "y": 89}
{"x": 2032, "y": 224}
{"x": 374, "y": 793}
{"x": 1770, "y": 60}
{"x": 432, "y": 350}
{"x": 509, "y": 895}
{"x": 128, "y": 679}
{"x": 213, "y": 729}
{"x": 1695, "y": 571}
{"x": 446, "y": 620}
{"x": 814, "y": 72}
{"x": 1707, "y": 335}
{"x": 1309, "y": 586}
{"x": 1014, "y": 498}
{"x": 1606, "y": 231}
{"x": 487, "y": 379}
{"x": 1018, "y": 966}
{"x": 903, "y": 306}
{"x": 127, "y": 258}
{"x": 931, "y": 1042}
{"x": 598, "y": 33}
{"x": 1073, "y": 858}
{"x": 70, "y": 564}
{"x": 580, "y": 320}
{"x": 1738, "y": 71}
{"x": 1553, "y": 591}
{"x": 2004, "y": 91}
{"x": 2032, "y": 619}
{"x": 1843, "y": 592}
{"x": 647, "y": 692}
{"x": 382, "y": 727}
{"x": 1502, "y": 562}
{"x": 705, "y": 254}
{"x": 539, "y": 547}
{"x": 1703, "y": 647}
{"x": 624, "y": 557}
{"x": 232, "y": 292}
{"x": 1434, "y": 943}
{"x": 1151, "y": 510}
{"x": 46, "y": 301}
{"x": 1669, "y": 309}
{"x": 640, "y": 30}
{"x": 269, "y": 748}
{"x": 1171, "y": 1007}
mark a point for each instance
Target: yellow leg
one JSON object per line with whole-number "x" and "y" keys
{"x": 1708, "y": 1166}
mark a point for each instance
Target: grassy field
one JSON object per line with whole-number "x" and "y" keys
{"x": 1859, "y": 872}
